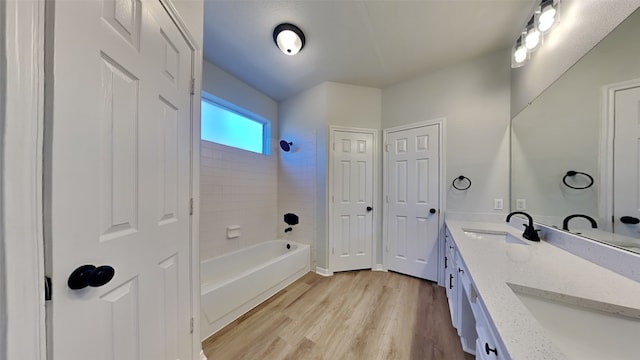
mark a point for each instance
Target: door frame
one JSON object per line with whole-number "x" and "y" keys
{"x": 21, "y": 185}
{"x": 330, "y": 194}
{"x": 442, "y": 203}
{"x": 605, "y": 203}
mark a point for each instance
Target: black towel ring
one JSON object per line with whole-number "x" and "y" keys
{"x": 574, "y": 173}
{"x": 461, "y": 178}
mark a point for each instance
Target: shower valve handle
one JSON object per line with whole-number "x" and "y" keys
{"x": 369, "y": 208}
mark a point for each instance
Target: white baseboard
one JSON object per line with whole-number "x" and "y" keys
{"x": 379, "y": 267}
{"x": 323, "y": 271}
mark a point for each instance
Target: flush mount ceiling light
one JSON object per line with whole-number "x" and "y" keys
{"x": 289, "y": 38}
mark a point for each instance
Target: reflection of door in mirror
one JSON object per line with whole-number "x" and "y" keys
{"x": 626, "y": 179}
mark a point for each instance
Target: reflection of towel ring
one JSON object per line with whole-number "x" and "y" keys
{"x": 461, "y": 178}
{"x": 574, "y": 173}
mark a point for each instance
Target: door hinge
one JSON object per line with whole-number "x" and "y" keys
{"x": 47, "y": 288}
{"x": 191, "y": 206}
{"x": 193, "y": 86}
{"x": 387, "y": 147}
{"x": 333, "y": 251}
{"x": 191, "y": 326}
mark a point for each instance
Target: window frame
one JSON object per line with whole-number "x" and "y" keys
{"x": 233, "y": 108}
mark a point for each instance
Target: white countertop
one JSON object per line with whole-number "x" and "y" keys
{"x": 493, "y": 264}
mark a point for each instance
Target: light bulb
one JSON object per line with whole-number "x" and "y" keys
{"x": 289, "y": 42}
{"x": 520, "y": 55}
{"x": 532, "y": 39}
{"x": 547, "y": 18}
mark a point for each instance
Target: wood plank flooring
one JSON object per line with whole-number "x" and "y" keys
{"x": 351, "y": 315}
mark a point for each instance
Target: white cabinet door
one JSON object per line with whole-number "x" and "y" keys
{"x": 118, "y": 167}
{"x": 412, "y": 217}
{"x": 352, "y": 220}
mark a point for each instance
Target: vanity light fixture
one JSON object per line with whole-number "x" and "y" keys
{"x": 289, "y": 38}
{"x": 532, "y": 36}
{"x": 547, "y": 15}
{"x": 519, "y": 54}
{"x": 541, "y": 22}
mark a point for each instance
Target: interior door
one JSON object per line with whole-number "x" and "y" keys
{"x": 412, "y": 216}
{"x": 626, "y": 162}
{"x": 118, "y": 183}
{"x": 352, "y": 223}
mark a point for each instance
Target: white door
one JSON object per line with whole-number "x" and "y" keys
{"x": 118, "y": 173}
{"x": 412, "y": 216}
{"x": 626, "y": 162}
{"x": 352, "y": 223}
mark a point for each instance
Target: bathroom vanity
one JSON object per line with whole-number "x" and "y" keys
{"x": 511, "y": 298}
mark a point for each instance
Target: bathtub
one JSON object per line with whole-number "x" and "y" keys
{"x": 234, "y": 283}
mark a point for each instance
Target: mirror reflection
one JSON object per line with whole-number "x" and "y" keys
{"x": 575, "y": 150}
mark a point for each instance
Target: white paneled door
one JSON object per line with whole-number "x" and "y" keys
{"x": 412, "y": 200}
{"x": 118, "y": 183}
{"x": 352, "y": 200}
{"x": 626, "y": 163}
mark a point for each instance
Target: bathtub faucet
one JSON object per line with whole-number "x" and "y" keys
{"x": 288, "y": 229}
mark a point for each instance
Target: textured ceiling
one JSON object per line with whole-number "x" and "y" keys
{"x": 367, "y": 43}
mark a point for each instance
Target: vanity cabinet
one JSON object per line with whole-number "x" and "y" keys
{"x": 451, "y": 278}
{"x": 458, "y": 285}
{"x": 468, "y": 314}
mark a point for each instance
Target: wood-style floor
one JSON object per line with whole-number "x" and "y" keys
{"x": 351, "y": 315}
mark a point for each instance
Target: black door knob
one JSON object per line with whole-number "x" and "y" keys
{"x": 89, "y": 275}
{"x": 629, "y": 220}
{"x": 369, "y": 208}
{"x": 432, "y": 210}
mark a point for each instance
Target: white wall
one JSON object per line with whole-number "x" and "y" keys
{"x": 307, "y": 116}
{"x": 302, "y": 171}
{"x": 474, "y": 98}
{"x": 3, "y": 82}
{"x": 582, "y": 25}
{"x": 237, "y": 187}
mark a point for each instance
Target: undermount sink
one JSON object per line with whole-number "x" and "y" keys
{"x": 583, "y": 328}
{"x": 493, "y": 234}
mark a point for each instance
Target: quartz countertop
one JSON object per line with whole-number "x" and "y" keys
{"x": 493, "y": 265}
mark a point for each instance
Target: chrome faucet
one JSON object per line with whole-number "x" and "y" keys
{"x": 529, "y": 232}
{"x": 565, "y": 222}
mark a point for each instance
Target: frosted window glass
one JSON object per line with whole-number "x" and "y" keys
{"x": 223, "y": 126}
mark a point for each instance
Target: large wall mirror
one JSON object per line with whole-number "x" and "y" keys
{"x": 575, "y": 150}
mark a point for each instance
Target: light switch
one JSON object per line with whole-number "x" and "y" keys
{"x": 521, "y": 204}
{"x": 498, "y": 204}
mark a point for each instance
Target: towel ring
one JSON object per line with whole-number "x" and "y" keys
{"x": 461, "y": 178}
{"x": 574, "y": 173}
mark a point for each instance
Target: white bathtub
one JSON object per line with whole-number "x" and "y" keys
{"x": 234, "y": 283}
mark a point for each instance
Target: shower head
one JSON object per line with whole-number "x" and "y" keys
{"x": 286, "y": 146}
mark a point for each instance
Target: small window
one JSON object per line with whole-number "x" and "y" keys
{"x": 233, "y": 127}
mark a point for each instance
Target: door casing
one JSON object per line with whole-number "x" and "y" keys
{"x": 441, "y": 188}
{"x": 606, "y": 148}
{"x": 376, "y": 216}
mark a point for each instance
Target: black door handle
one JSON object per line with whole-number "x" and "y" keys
{"x": 629, "y": 220}
{"x": 432, "y": 210}
{"x": 487, "y": 349}
{"x": 369, "y": 208}
{"x": 89, "y": 275}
